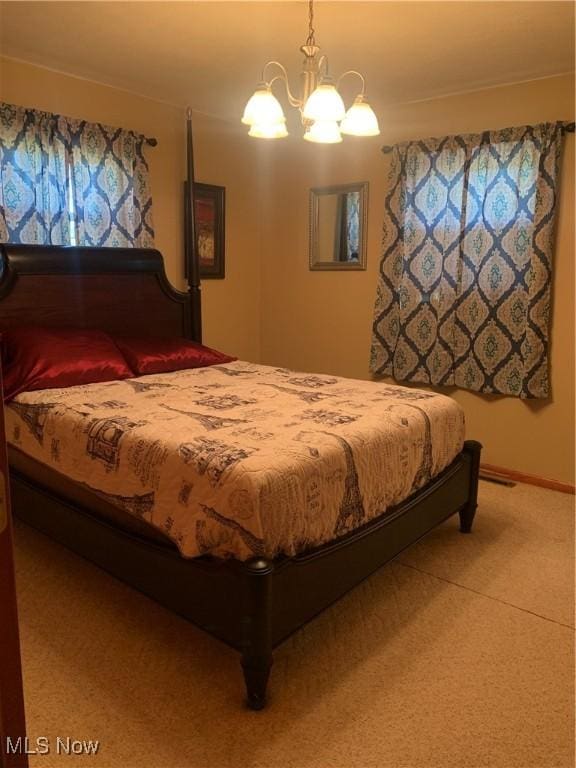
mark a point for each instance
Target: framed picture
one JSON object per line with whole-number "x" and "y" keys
{"x": 209, "y": 205}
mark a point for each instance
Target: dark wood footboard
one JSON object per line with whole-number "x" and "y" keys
{"x": 251, "y": 606}
{"x": 309, "y": 583}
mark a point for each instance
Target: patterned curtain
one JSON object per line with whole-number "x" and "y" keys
{"x": 112, "y": 197}
{"x": 463, "y": 296}
{"x": 33, "y": 178}
{"x": 66, "y": 181}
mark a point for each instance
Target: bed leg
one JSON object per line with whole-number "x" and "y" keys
{"x": 257, "y": 645}
{"x": 473, "y": 449}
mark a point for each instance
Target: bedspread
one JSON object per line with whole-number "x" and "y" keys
{"x": 239, "y": 460}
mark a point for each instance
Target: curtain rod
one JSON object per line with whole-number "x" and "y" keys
{"x": 151, "y": 142}
{"x": 566, "y": 128}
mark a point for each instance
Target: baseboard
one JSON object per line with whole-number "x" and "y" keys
{"x": 522, "y": 477}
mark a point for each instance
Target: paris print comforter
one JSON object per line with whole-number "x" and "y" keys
{"x": 239, "y": 460}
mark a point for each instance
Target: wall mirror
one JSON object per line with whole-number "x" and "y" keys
{"x": 338, "y": 226}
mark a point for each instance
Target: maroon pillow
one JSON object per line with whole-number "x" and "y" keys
{"x": 49, "y": 358}
{"x": 150, "y": 355}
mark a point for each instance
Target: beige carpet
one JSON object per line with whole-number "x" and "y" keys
{"x": 458, "y": 654}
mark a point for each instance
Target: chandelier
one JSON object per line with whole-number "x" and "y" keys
{"x": 322, "y": 109}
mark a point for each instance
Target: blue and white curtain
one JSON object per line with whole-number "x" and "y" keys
{"x": 69, "y": 182}
{"x": 463, "y": 295}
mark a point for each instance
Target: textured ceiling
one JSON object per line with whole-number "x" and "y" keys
{"x": 209, "y": 54}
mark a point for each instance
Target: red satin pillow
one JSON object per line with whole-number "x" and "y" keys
{"x": 50, "y": 358}
{"x": 150, "y": 355}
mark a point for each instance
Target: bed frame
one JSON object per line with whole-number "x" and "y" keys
{"x": 251, "y": 606}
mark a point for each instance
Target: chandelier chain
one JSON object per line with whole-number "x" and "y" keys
{"x": 310, "y": 39}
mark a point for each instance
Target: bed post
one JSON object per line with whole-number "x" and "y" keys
{"x": 192, "y": 264}
{"x": 472, "y": 449}
{"x": 256, "y": 630}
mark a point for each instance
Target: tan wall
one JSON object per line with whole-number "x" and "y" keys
{"x": 321, "y": 321}
{"x": 230, "y": 307}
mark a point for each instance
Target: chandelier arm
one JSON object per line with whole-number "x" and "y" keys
{"x": 284, "y": 78}
{"x": 323, "y": 62}
{"x": 352, "y": 72}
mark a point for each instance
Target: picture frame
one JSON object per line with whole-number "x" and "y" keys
{"x": 209, "y": 210}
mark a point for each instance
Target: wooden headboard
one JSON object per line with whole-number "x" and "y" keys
{"x": 118, "y": 290}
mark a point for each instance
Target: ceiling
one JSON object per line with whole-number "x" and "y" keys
{"x": 210, "y": 54}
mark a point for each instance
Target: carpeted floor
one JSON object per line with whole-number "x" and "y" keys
{"x": 460, "y": 654}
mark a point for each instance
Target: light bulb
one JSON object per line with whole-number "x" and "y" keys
{"x": 324, "y": 103}
{"x": 263, "y": 107}
{"x": 269, "y": 130}
{"x": 324, "y": 132}
{"x": 360, "y": 119}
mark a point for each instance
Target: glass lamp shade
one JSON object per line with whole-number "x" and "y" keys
{"x": 324, "y": 132}
{"x": 263, "y": 108}
{"x": 269, "y": 130}
{"x": 325, "y": 104}
{"x": 360, "y": 119}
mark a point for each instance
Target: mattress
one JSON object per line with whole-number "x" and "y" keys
{"x": 242, "y": 460}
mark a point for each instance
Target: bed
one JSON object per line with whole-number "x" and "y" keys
{"x": 252, "y": 601}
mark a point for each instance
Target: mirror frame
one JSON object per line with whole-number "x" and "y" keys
{"x": 313, "y": 227}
